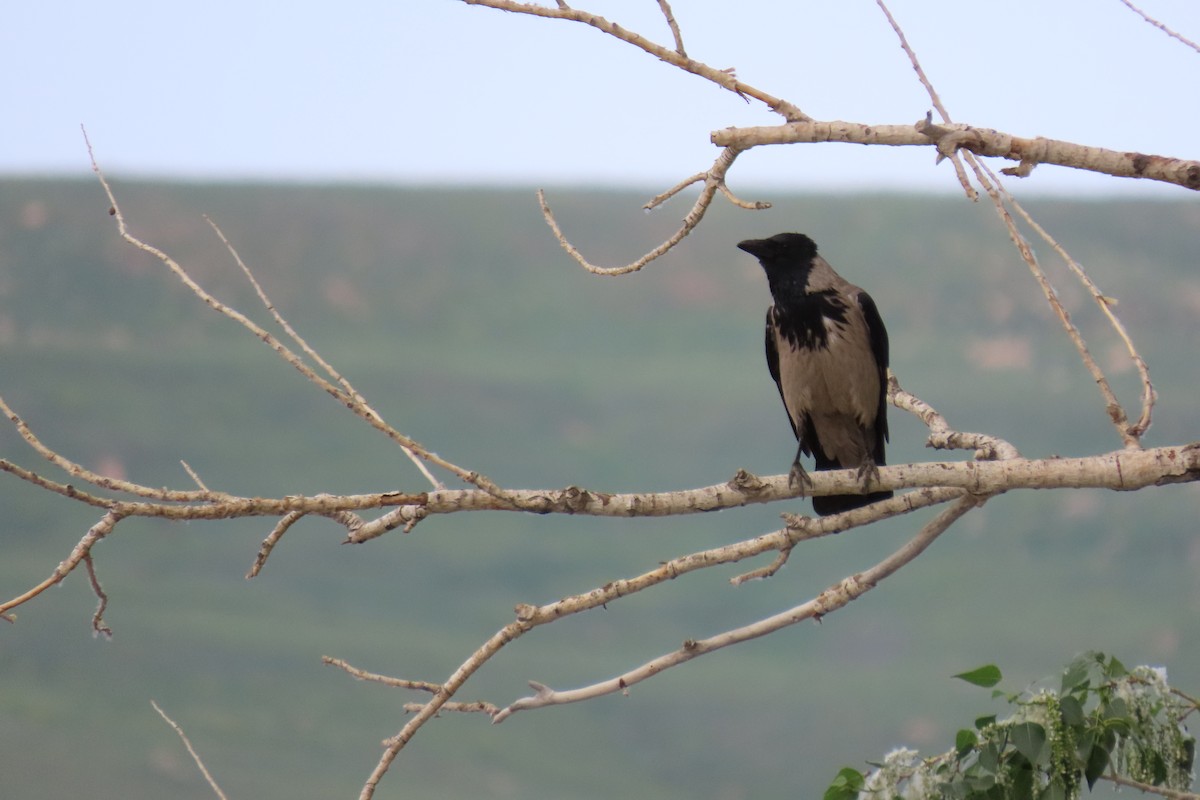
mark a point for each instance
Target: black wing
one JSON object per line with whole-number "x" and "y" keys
{"x": 773, "y": 365}
{"x": 878, "y": 339}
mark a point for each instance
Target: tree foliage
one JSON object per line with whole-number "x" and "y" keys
{"x": 1101, "y": 721}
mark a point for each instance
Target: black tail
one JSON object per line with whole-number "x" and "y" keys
{"x": 837, "y": 503}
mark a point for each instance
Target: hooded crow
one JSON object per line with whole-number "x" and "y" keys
{"x": 827, "y": 350}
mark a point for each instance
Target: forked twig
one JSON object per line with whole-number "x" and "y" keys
{"x": 475, "y": 707}
{"x": 81, "y": 551}
{"x": 714, "y": 179}
{"x": 674, "y": 26}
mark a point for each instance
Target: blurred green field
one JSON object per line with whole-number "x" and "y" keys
{"x": 458, "y": 316}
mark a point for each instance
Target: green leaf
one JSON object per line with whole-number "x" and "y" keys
{"x": 1117, "y": 710}
{"x": 1160, "y": 768}
{"x": 986, "y": 676}
{"x": 989, "y": 758}
{"x": 1072, "y": 710}
{"x": 1022, "y": 783}
{"x": 1030, "y": 740}
{"x": 1097, "y": 762}
{"x": 845, "y": 786}
{"x": 1115, "y": 669}
{"x": 965, "y": 741}
{"x": 983, "y": 722}
{"x": 1076, "y": 673}
{"x": 1054, "y": 791}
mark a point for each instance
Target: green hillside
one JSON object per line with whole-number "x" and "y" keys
{"x": 460, "y": 318}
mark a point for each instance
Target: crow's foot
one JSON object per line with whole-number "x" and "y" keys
{"x": 797, "y": 477}
{"x": 868, "y": 473}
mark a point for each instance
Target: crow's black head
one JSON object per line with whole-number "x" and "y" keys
{"x": 782, "y": 250}
{"x": 787, "y": 258}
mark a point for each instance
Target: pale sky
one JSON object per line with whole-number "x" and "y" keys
{"x": 435, "y": 91}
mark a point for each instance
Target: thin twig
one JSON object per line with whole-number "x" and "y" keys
{"x": 477, "y": 706}
{"x": 933, "y": 97}
{"x": 674, "y": 26}
{"x": 941, "y": 436}
{"x": 1160, "y": 26}
{"x": 99, "y": 626}
{"x": 64, "y": 489}
{"x": 76, "y": 470}
{"x": 749, "y": 205}
{"x": 659, "y": 199}
{"x": 723, "y": 78}
{"x": 361, "y": 403}
{"x": 1106, "y": 304}
{"x": 192, "y": 751}
{"x": 363, "y": 675}
{"x": 264, "y": 551}
{"x": 192, "y": 474}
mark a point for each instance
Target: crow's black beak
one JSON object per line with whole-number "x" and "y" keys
{"x": 755, "y": 247}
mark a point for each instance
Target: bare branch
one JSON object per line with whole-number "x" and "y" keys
{"x": 1121, "y": 470}
{"x": 350, "y": 399}
{"x": 192, "y": 751}
{"x": 835, "y": 597}
{"x": 1161, "y": 791}
{"x": 1116, "y": 412}
{"x": 1106, "y": 304}
{"x": 981, "y": 141}
{"x": 1160, "y": 26}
